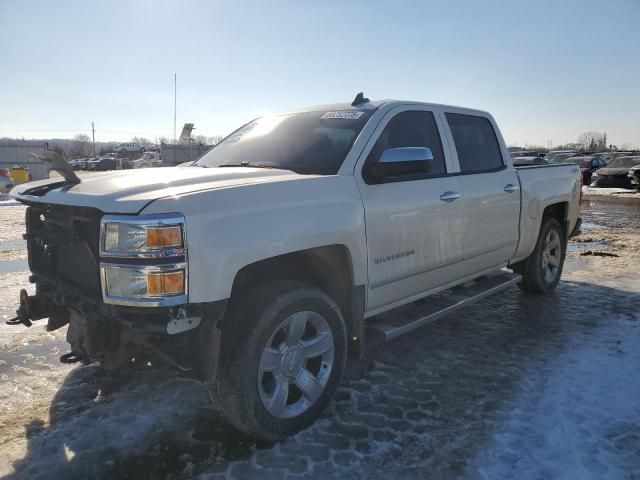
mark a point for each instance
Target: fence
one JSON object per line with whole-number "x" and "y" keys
{"x": 176, "y": 154}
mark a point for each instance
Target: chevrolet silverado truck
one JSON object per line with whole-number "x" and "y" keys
{"x": 290, "y": 245}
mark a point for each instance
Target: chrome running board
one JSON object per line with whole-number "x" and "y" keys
{"x": 401, "y": 320}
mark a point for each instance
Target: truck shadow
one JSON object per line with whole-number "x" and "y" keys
{"x": 428, "y": 400}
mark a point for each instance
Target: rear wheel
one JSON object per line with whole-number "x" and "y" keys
{"x": 284, "y": 355}
{"x": 541, "y": 271}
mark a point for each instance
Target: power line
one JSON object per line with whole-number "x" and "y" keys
{"x": 80, "y": 130}
{"x": 42, "y": 130}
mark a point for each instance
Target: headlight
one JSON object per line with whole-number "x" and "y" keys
{"x": 157, "y": 285}
{"x": 142, "y": 236}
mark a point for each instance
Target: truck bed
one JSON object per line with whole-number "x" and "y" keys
{"x": 540, "y": 186}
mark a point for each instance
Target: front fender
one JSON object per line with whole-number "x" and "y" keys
{"x": 230, "y": 228}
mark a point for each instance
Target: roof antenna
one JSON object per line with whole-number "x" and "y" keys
{"x": 359, "y": 99}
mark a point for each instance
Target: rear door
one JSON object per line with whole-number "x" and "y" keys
{"x": 413, "y": 218}
{"x": 491, "y": 191}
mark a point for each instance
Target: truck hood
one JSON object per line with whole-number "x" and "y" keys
{"x": 129, "y": 191}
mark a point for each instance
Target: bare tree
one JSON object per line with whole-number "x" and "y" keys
{"x": 58, "y": 149}
{"x": 141, "y": 140}
{"x": 592, "y": 140}
{"x": 204, "y": 140}
{"x": 80, "y": 146}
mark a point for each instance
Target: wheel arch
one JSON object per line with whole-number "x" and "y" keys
{"x": 559, "y": 211}
{"x": 329, "y": 268}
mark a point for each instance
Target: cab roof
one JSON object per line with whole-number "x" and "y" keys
{"x": 372, "y": 105}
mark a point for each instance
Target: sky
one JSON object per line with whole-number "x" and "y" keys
{"x": 546, "y": 70}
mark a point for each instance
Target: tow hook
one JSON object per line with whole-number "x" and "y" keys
{"x": 31, "y": 308}
{"x": 69, "y": 358}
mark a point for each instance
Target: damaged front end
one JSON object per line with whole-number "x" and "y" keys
{"x": 120, "y": 296}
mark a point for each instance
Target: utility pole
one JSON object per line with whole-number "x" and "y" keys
{"x": 93, "y": 133}
{"x": 175, "y": 103}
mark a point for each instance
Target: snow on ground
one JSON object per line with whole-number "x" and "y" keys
{"x": 617, "y": 193}
{"x": 577, "y": 415}
{"x": 95, "y": 421}
{"x": 6, "y": 201}
{"x": 518, "y": 386}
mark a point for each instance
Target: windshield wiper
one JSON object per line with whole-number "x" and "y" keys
{"x": 251, "y": 165}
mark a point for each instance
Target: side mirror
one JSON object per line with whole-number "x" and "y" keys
{"x": 399, "y": 162}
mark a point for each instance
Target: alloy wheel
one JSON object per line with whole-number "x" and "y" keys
{"x": 551, "y": 256}
{"x": 295, "y": 364}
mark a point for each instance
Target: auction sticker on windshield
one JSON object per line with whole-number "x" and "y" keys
{"x": 348, "y": 114}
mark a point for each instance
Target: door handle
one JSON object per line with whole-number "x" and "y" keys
{"x": 510, "y": 188}
{"x": 450, "y": 196}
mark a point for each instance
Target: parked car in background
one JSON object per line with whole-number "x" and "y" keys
{"x": 90, "y": 165}
{"x": 588, "y": 164}
{"x": 523, "y": 153}
{"x": 6, "y": 182}
{"x": 615, "y": 173}
{"x": 79, "y": 163}
{"x": 148, "y": 159}
{"x": 103, "y": 164}
{"x": 529, "y": 160}
{"x": 129, "y": 147}
{"x": 608, "y": 156}
{"x": 634, "y": 177}
{"x": 551, "y": 156}
{"x": 561, "y": 157}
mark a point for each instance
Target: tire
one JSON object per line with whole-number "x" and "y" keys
{"x": 542, "y": 270}
{"x": 274, "y": 337}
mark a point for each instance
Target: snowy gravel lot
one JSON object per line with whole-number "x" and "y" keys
{"x": 518, "y": 386}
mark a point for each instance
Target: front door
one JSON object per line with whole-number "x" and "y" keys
{"x": 413, "y": 214}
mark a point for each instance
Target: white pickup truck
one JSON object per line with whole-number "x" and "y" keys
{"x": 289, "y": 245}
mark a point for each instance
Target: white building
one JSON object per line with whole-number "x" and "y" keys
{"x": 16, "y": 153}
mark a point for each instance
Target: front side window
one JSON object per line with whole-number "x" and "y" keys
{"x": 409, "y": 129}
{"x": 306, "y": 143}
{"x": 476, "y": 143}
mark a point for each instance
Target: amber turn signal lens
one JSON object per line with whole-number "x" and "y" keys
{"x": 163, "y": 237}
{"x": 165, "y": 283}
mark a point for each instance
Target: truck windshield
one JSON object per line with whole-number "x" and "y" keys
{"x": 307, "y": 142}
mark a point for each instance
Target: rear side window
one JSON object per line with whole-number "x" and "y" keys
{"x": 414, "y": 128}
{"x": 476, "y": 143}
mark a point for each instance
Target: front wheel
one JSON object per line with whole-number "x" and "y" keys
{"x": 541, "y": 271}
{"x": 282, "y": 360}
